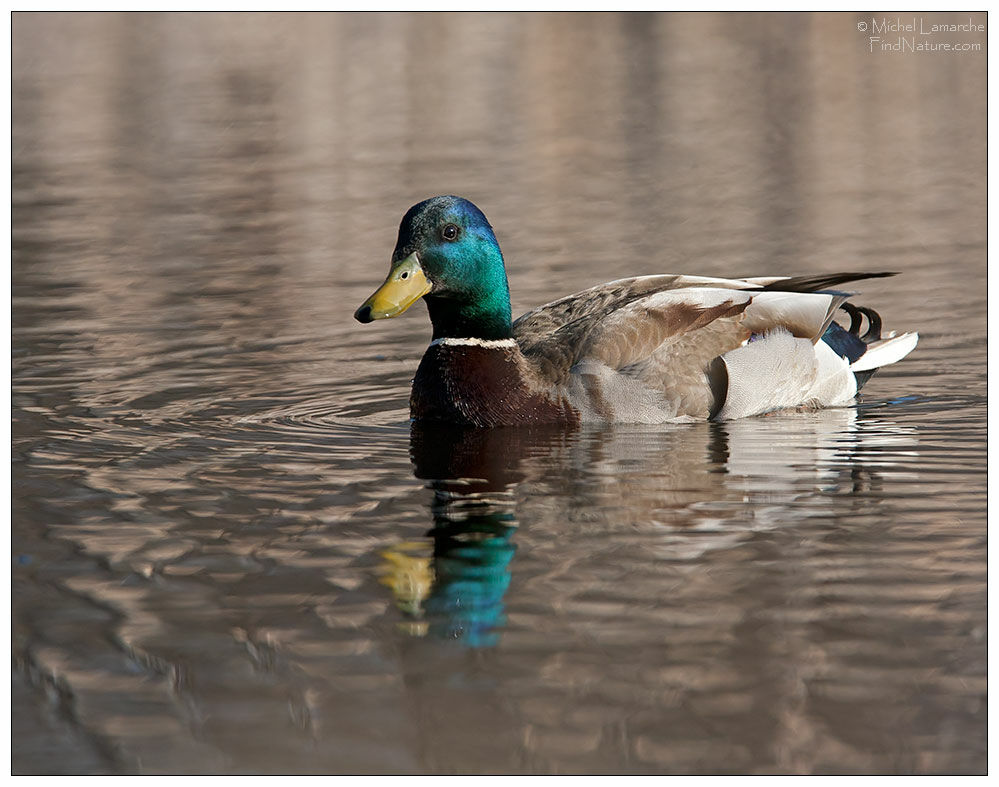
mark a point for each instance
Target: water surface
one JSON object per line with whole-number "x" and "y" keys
{"x": 233, "y": 554}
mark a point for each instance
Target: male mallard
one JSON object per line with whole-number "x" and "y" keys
{"x": 648, "y": 349}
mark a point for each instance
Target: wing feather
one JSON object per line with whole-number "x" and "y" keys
{"x": 627, "y": 336}
{"x": 669, "y": 333}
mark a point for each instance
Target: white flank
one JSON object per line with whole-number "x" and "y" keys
{"x": 885, "y": 352}
{"x": 834, "y": 382}
{"x": 448, "y": 341}
{"x": 770, "y": 373}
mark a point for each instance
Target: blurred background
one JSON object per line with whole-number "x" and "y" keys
{"x": 222, "y": 560}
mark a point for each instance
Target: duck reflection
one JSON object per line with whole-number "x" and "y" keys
{"x": 680, "y": 490}
{"x": 452, "y": 585}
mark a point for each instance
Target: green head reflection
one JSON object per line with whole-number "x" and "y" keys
{"x": 451, "y": 586}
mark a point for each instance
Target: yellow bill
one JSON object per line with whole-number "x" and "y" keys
{"x": 404, "y": 286}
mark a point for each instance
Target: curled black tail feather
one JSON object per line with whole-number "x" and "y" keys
{"x": 857, "y": 313}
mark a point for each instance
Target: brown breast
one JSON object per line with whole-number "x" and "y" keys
{"x": 482, "y": 383}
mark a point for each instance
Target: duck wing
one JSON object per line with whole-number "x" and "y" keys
{"x": 658, "y": 341}
{"x": 605, "y": 298}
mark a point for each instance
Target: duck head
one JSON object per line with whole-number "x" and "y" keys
{"x": 446, "y": 254}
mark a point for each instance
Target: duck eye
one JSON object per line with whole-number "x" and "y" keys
{"x": 450, "y": 232}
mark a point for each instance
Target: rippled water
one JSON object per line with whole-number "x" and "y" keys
{"x": 231, "y": 552}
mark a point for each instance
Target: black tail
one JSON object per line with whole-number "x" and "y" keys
{"x": 857, "y": 314}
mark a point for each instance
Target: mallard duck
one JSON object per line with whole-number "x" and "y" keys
{"x": 648, "y": 349}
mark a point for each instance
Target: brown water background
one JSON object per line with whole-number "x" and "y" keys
{"x": 231, "y": 555}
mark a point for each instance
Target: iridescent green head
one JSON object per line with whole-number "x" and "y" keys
{"x": 448, "y": 255}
